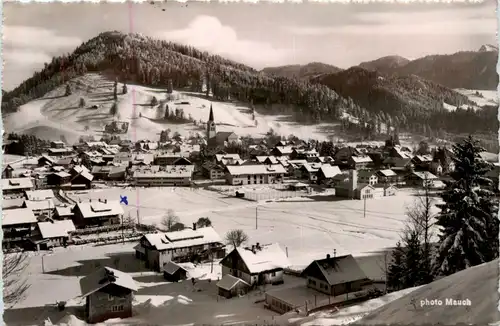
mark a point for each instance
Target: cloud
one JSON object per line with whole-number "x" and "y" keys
{"x": 437, "y": 22}
{"x": 207, "y": 33}
{"x": 36, "y": 38}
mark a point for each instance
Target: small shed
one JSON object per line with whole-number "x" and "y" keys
{"x": 230, "y": 286}
{"x": 173, "y": 272}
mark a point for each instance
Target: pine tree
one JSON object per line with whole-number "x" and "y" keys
{"x": 68, "y": 90}
{"x": 396, "y": 269}
{"x": 124, "y": 89}
{"x": 154, "y": 101}
{"x": 114, "y": 109}
{"x": 468, "y": 217}
{"x": 412, "y": 259}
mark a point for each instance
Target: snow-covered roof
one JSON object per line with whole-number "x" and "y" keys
{"x": 312, "y": 167}
{"x": 168, "y": 171}
{"x": 103, "y": 277}
{"x": 38, "y": 205}
{"x": 361, "y": 159}
{"x": 425, "y": 175}
{"x": 330, "y": 170}
{"x": 56, "y": 229}
{"x": 100, "y": 209}
{"x": 228, "y": 282}
{"x": 64, "y": 210}
{"x": 170, "y": 267}
{"x": 255, "y": 169}
{"x": 39, "y": 194}
{"x": 338, "y": 270}
{"x": 184, "y": 238}
{"x": 284, "y": 149}
{"x": 12, "y": 203}
{"x": 17, "y": 184}
{"x": 18, "y": 216}
{"x": 266, "y": 258}
{"x": 219, "y": 157}
{"x": 387, "y": 173}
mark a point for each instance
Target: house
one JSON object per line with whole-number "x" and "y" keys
{"x": 302, "y": 154}
{"x": 57, "y": 144}
{"x": 169, "y": 175}
{"x": 387, "y": 176}
{"x": 58, "y": 179}
{"x": 421, "y": 179}
{"x": 398, "y": 152}
{"x": 343, "y": 154}
{"x": 55, "y": 233}
{"x": 39, "y": 194}
{"x": 256, "y": 265}
{"x": 187, "y": 245}
{"x": 82, "y": 180}
{"x": 282, "y": 151}
{"x": 40, "y": 207}
{"x": 436, "y": 168}
{"x": 267, "y": 159}
{"x": 359, "y": 162}
{"x": 12, "y": 203}
{"x": 18, "y": 225}
{"x": 64, "y": 212}
{"x": 97, "y": 213}
{"x": 254, "y": 174}
{"x": 7, "y": 172}
{"x": 422, "y": 162}
{"x": 171, "y": 159}
{"x": 108, "y": 294}
{"x": 109, "y": 172}
{"x": 352, "y": 189}
{"x": 16, "y": 186}
{"x": 228, "y": 159}
{"x": 230, "y": 286}
{"x": 60, "y": 152}
{"x": 213, "y": 171}
{"x": 309, "y": 171}
{"x": 323, "y": 159}
{"x": 173, "y": 272}
{"x": 46, "y": 160}
{"x": 368, "y": 177}
{"x": 65, "y": 162}
{"x": 335, "y": 275}
{"x": 293, "y": 167}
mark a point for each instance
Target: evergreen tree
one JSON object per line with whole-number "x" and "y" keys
{"x": 124, "y": 89}
{"x": 154, "y": 101}
{"x": 114, "y": 109}
{"x": 170, "y": 87}
{"x": 468, "y": 217}
{"x": 68, "y": 90}
{"x": 82, "y": 102}
{"x": 396, "y": 269}
{"x": 412, "y": 259}
{"x": 115, "y": 92}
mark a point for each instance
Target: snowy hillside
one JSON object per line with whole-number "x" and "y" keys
{"x": 55, "y": 114}
{"x": 480, "y": 97}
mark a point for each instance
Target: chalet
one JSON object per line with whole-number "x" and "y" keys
{"x": 309, "y": 171}
{"x": 352, "y": 189}
{"x": 17, "y": 225}
{"x": 422, "y": 161}
{"x": 398, "y": 152}
{"x": 108, "y": 294}
{"x": 57, "y": 144}
{"x": 254, "y": 174}
{"x": 282, "y": 151}
{"x": 58, "y": 179}
{"x": 344, "y": 154}
{"x": 55, "y": 233}
{"x": 256, "y": 265}
{"x": 359, "y": 162}
{"x": 301, "y": 154}
{"x": 39, "y": 194}
{"x": 170, "y": 175}
{"x": 64, "y": 212}
{"x": 156, "y": 249}
{"x": 46, "y": 160}
{"x": 399, "y": 165}
{"x": 335, "y": 275}
{"x": 368, "y": 177}
{"x": 228, "y": 159}
{"x": 171, "y": 159}
{"x": 40, "y": 207}
{"x": 436, "y": 168}
{"x": 65, "y": 162}
{"x": 97, "y": 213}
{"x": 230, "y": 286}
{"x": 7, "y": 172}
{"x": 173, "y": 272}
{"x": 421, "y": 179}
{"x": 109, "y": 172}
{"x": 387, "y": 176}
{"x": 213, "y": 171}
{"x": 82, "y": 180}
{"x": 59, "y": 152}
{"x": 293, "y": 167}
{"x": 384, "y": 190}
{"x": 16, "y": 186}
{"x": 267, "y": 159}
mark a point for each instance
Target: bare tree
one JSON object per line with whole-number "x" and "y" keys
{"x": 170, "y": 219}
{"x": 14, "y": 285}
{"x": 236, "y": 237}
{"x": 203, "y": 222}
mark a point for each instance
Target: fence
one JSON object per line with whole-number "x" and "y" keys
{"x": 274, "y": 194}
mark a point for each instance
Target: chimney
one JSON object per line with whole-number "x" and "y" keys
{"x": 257, "y": 246}
{"x": 105, "y": 201}
{"x": 327, "y": 256}
{"x": 194, "y": 226}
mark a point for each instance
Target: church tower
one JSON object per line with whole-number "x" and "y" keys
{"x": 211, "y": 132}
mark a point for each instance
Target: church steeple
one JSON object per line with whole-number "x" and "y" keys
{"x": 211, "y": 116}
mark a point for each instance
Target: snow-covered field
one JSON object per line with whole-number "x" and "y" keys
{"x": 55, "y": 114}
{"x": 480, "y": 97}
{"x": 308, "y": 227}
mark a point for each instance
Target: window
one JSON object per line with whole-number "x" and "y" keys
{"x": 110, "y": 297}
{"x": 117, "y": 308}
{"x": 273, "y": 274}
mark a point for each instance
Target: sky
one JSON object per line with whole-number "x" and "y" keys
{"x": 257, "y": 34}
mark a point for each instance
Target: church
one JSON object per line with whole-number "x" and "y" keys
{"x": 218, "y": 139}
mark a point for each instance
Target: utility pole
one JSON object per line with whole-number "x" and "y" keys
{"x": 123, "y": 231}
{"x": 364, "y": 208}
{"x": 256, "y": 213}
{"x": 138, "y": 219}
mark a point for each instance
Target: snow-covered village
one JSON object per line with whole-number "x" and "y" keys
{"x": 156, "y": 181}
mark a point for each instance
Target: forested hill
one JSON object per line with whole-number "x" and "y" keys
{"x": 306, "y": 71}
{"x": 143, "y": 60}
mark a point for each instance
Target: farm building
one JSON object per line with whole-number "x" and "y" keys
{"x": 230, "y": 286}
{"x": 108, "y": 294}
{"x": 173, "y": 272}
{"x": 97, "y": 213}
{"x": 254, "y": 174}
{"x": 54, "y": 233}
{"x": 156, "y": 249}
{"x": 170, "y": 175}
{"x": 256, "y": 265}
{"x": 16, "y": 186}
{"x": 46, "y": 160}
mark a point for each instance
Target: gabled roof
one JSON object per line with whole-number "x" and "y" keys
{"x": 284, "y": 149}
{"x": 17, "y": 183}
{"x": 228, "y": 282}
{"x": 170, "y": 267}
{"x": 103, "y": 277}
{"x": 330, "y": 171}
{"x": 366, "y": 173}
{"x": 183, "y": 239}
{"x": 361, "y": 159}
{"x": 64, "y": 210}
{"x": 338, "y": 270}
{"x": 17, "y": 216}
{"x": 40, "y": 194}
{"x": 255, "y": 169}
{"x": 424, "y": 175}
{"x": 267, "y": 258}
{"x": 56, "y": 229}
{"x": 37, "y": 205}
{"x": 100, "y": 209}
{"x": 387, "y": 173}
